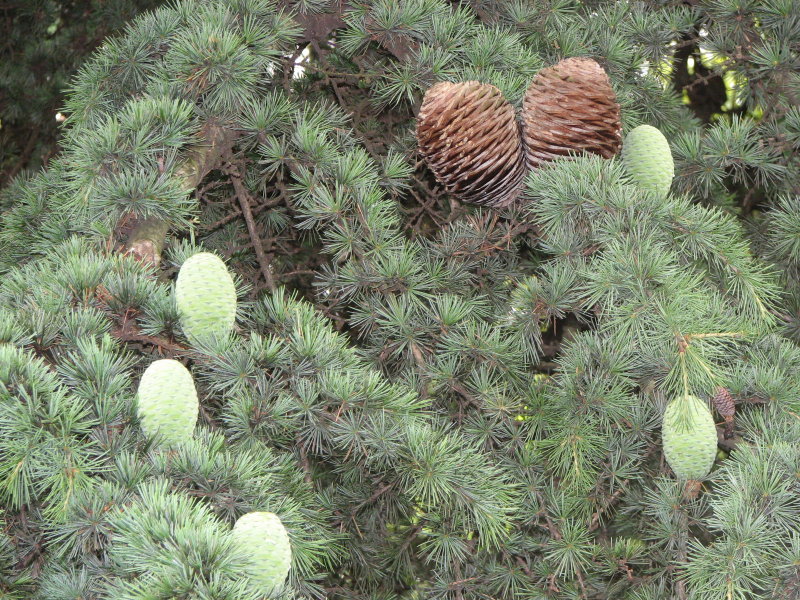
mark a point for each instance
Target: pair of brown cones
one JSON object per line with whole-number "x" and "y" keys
{"x": 469, "y": 135}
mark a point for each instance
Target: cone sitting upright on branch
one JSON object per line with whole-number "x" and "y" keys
{"x": 689, "y": 437}
{"x": 570, "y": 108}
{"x": 648, "y": 159}
{"x": 265, "y": 542}
{"x": 205, "y": 296}
{"x": 469, "y": 136}
{"x": 167, "y": 402}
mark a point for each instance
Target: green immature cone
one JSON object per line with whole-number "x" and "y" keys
{"x": 167, "y": 402}
{"x": 648, "y": 159}
{"x": 263, "y": 539}
{"x": 206, "y": 297}
{"x": 689, "y": 437}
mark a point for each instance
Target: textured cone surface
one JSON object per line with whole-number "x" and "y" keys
{"x": 469, "y": 136}
{"x": 263, "y": 538}
{"x": 648, "y": 159}
{"x": 723, "y": 402}
{"x": 167, "y": 402}
{"x": 689, "y": 437}
{"x": 570, "y": 108}
{"x": 206, "y": 297}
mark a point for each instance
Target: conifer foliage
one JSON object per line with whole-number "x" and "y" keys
{"x": 375, "y": 389}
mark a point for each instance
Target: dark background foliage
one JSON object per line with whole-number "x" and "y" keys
{"x": 43, "y": 44}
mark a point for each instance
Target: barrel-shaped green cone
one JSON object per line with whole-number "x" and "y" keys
{"x": 689, "y": 437}
{"x": 206, "y": 297}
{"x": 648, "y": 159}
{"x": 263, "y": 539}
{"x": 167, "y": 402}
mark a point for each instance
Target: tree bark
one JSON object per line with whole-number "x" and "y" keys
{"x": 144, "y": 237}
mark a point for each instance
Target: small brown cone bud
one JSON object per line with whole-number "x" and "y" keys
{"x": 726, "y": 407}
{"x": 723, "y": 402}
{"x": 570, "y": 108}
{"x": 469, "y": 136}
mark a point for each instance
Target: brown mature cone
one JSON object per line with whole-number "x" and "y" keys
{"x": 570, "y": 108}
{"x": 469, "y": 136}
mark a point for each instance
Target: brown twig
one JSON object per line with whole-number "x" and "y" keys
{"x": 595, "y": 521}
{"x": 304, "y": 462}
{"x": 524, "y": 566}
{"x": 375, "y": 495}
{"x": 551, "y": 527}
{"x": 131, "y": 333}
{"x": 238, "y": 213}
{"x": 244, "y": 201}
